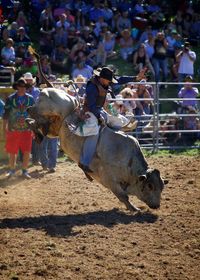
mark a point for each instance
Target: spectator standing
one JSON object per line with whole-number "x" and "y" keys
{"x": 49, "y": 153}
{"x": 31, "y": 89}
{"x": 34, "y": 92}
{"x": 18, "y": 135}
{"x": 186, "y": 58}
{"x": 160, "y": 57}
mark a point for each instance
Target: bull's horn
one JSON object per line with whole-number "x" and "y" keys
{"x": 142, "y": 178}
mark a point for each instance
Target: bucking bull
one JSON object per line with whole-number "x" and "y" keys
{"x": 118, "y": 164}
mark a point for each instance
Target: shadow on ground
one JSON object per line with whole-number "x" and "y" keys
{"x": 62, "y": 226}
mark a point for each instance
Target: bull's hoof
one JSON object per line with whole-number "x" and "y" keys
{"x": 86, "y": 170}
{"x": 88, "y": 177}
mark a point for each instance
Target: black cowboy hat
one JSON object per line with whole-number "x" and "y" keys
{"x": 105, "y": 73}
{"x": 20, "y": 82}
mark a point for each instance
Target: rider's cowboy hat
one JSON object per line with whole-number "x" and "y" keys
{"x": 105, "y": 73}
{"x": 28, "y": 76}
{"x": 21, "y": 82}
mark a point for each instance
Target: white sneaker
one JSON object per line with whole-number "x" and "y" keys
{"x": 10, "y": 174}
{"x": 26, "y": 175}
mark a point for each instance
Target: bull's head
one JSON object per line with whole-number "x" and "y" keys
{"x": 151, "y": 189}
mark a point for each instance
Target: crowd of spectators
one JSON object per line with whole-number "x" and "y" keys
{"x": 142, "y": 32}
{"x": 75, "y": 37}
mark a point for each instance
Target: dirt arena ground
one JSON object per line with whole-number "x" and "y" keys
{"x": 61, "y": 226}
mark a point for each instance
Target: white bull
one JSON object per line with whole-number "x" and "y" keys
{"x": 118, "y": 164}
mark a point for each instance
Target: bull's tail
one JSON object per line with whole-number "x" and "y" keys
{"x": 37, "y": 56}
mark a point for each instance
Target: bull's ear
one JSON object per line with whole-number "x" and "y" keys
{"x": 44, "y": 92}
{"x": 165, "y": 181}
{"x": 142, "y": 178}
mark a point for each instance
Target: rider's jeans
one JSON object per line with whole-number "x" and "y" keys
{"x": 88, "y": 150}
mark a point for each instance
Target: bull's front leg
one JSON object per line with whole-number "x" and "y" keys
{"x": 123, "y": 197}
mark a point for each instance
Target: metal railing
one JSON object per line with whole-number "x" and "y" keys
{"x": 154, "y": 138}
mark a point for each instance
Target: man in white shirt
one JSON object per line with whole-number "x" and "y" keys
{"x": 186, "y": 59}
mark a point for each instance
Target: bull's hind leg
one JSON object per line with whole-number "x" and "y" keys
{"x": 123, "y": 197}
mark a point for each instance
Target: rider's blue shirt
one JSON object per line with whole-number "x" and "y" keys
{"x": 92, "y": 94}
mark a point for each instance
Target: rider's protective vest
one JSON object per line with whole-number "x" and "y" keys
{"x": 101, "y": 92}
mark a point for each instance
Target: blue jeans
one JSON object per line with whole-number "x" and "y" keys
{"x": 88, "y": 150}
{"x": 49, "y": 152}
{"x": 160, "y": 64}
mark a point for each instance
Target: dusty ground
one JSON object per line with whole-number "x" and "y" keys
{"x": 60, "y": 226}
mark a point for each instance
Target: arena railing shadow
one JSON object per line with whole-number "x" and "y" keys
{"x": 62, "y": 225}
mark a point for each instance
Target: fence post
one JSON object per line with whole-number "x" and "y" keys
{"x": 156, "y": 119}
